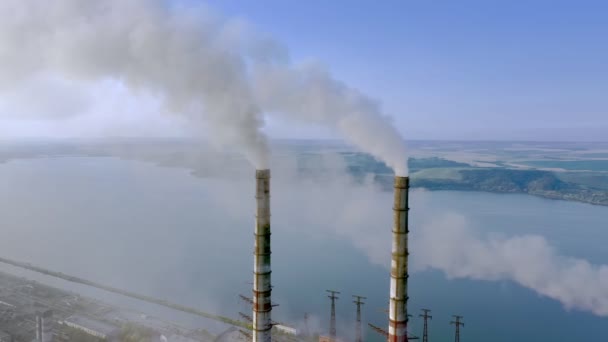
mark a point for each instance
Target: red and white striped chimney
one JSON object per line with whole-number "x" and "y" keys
{"x": 397, "y": 328}
{"x": 262, "y": 306}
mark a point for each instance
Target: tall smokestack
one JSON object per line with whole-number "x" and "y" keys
{"x": 397, "y": 328}
{"x": 261, "y": 272}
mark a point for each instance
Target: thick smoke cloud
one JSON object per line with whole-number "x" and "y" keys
{"x": 218, "y": 73}
{"x": 446, "y": 244}
{"x": 309, "y": 93}
{"x": 182, "y": 56}
{"x": 17, "y": 103}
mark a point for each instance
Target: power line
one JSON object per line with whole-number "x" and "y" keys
{"x": 425, "y": 330}
{"x": 359, "y": 302}
{"x": 332, "y": 322}
{"x": 306, "y": 330}
{"x": 457, "y": 323}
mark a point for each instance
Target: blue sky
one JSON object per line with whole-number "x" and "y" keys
{"x": 450, "y": 70}
{"x": 525, "y": 70}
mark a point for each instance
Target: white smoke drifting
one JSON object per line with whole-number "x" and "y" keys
{"x": 182, "y": 56}
{"x": 528, "y": 260}
{"x": 219, "y": 75}
{"x": 310, "y": 94}
{"x": 446, "y": 242}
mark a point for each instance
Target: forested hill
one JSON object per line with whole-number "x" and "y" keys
{"x": 441, "y": 174}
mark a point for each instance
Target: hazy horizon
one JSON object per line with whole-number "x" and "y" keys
{"x": 480, "y": 71}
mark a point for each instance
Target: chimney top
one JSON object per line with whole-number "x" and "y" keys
{"x": 262, "y": 174}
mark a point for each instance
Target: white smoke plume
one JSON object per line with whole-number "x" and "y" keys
{"x": 528, "y": 260}
{"x": 182, "y": 55}
{"x": 216, "y": 72}
{"x": 309, "y": 93}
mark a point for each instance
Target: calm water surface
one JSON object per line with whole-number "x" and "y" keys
{"x": 162, "y": 232}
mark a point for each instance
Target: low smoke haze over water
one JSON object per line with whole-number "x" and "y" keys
{"x": 165, "y": 232}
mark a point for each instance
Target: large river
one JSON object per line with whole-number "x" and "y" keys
{"x": 162, "y": 232}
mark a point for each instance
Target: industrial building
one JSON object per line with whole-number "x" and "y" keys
{"x": 176, "y": 338}
{"x": 92, "y": 327}
{"x": 286, "y": 330}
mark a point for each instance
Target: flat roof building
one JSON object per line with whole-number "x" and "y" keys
{"x": 176, "y": 338}
{"x": 286, "y": 329}
{"x": 92, "y": 327}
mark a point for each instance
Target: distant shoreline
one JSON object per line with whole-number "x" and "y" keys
{"x": 555, "y": 198}
{"x": 438, "y": 165}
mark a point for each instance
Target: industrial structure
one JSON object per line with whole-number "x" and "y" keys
{"x": 44, "y": 326}
{"x": 398, "y": 318}
{"x": 358, "y": 301}
{"x": 332, "y": 321}
{"x": 262, "y": 306}
{"x": 378, "y": 330}
{"x": 306, "y": 330}
{"x": 259, "y": 326}
{"x": 457, "y": 324}
{"x": 425, "y": 329}
{"x": 91, "y": 327}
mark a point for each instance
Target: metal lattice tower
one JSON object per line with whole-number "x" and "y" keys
{"x": 457, "y": 323}
{"x": 306, "y": 330}
{"x": 359, "y": 302}
{"x": 425, "y": 330}
{"x": 332, "y": 321}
